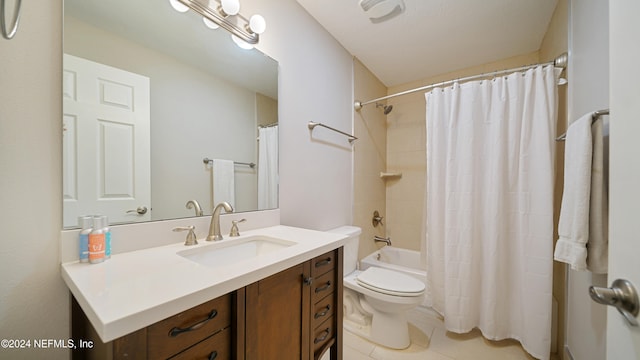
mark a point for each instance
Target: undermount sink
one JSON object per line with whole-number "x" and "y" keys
{"x": 233, "y": 251}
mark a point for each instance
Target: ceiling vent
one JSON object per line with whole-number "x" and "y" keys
{"x": 382, "y": 10}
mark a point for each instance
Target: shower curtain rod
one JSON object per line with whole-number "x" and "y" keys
{"x": 560, "y": 61}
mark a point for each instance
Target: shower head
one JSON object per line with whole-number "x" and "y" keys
{"x": 386, "y": 108}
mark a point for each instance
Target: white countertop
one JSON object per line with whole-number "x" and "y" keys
{"x": 136, "y": 289}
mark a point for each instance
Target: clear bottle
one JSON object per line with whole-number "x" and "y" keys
{"x": 96, "y": 241}
{"x": 107, "y": 237}
{"x": 86, "y": 223}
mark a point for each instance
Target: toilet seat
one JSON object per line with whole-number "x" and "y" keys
{"x": 390, "y": 282}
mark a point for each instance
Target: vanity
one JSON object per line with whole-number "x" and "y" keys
{"x": 274, "y": 292}
{"x": 279, "y": 297}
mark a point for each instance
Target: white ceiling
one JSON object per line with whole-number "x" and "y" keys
{"x": 434, "y": 37}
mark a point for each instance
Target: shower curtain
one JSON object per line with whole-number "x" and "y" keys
{"x": 489, "y": 206}
{"x": 268, "y": 168}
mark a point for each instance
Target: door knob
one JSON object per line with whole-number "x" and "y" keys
{"x": 623, "y": 295}
{"x": 141, "y": 210}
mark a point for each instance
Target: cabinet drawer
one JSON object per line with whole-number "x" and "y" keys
{"x": 322, "y": 286}
{"x": 323, "y": 263}
{"x": 321, "y": 311}
{"x": 171, "y": 335}
{"x": 322, "y": 334}
{"x": 216, "y": 347}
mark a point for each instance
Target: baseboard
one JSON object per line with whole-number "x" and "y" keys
{"x": 567, "y": 353}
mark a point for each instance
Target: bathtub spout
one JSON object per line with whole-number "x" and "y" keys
{"x": 381, "y": 239}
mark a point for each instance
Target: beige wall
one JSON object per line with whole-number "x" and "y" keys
{"x": 370, "y": 158}
{"x": 34, "y": 303}
{"x": 589, "y": 68}
{"x": 266, "y": 110}
{"x": 554, "y": 43}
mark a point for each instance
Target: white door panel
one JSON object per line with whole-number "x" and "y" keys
{"x": 623, "y": 340}
{"x": 107, "y": 142}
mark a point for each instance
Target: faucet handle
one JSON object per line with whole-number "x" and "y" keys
{"x": 191, "y": 235}
{"x": 377, "y": 219}
{"x": 234, "y": 227}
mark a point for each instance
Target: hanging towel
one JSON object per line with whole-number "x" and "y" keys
{"x": 268, "y": 168}
{"x": 573, "y": 227}
{"x": 223, "y": 182}
{"x": 598, "y": 244}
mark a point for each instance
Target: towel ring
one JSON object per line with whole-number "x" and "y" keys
{"x": 9, "y": 34}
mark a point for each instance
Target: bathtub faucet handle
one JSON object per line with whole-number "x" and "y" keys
{"x": 386, "y": 240}
{"x": 377, "y": 219}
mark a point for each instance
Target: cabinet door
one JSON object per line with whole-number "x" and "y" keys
{"x": 277, "y": 316}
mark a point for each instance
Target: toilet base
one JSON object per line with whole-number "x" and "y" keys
{"x": 389, "y": 329}
{"x": 397, "y": 339}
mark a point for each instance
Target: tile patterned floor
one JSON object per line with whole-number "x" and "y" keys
{"x": 430, "y": 341}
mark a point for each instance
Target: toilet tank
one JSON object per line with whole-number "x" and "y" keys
{"x": 350, "y": 247}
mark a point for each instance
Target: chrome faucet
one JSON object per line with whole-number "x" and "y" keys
{"x": 381, "y": 239}
{"x": 214, "y": 228}
{"x": 194, "y": 204}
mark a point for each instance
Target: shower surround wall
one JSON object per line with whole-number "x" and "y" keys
{"x": 370, "y": 158}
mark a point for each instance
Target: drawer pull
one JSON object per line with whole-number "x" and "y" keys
{"x": 323, "y": 337}
{"x": 213, "y": 355}
{"x": 326, "y": 287}
{"x": 324, "y": 262}
{"x": 322, "y": 313}
{"x": 177, "y": 331}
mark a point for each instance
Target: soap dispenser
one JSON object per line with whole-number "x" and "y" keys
{"x": 86, "y": 224}
{"x": 96, "y": 241}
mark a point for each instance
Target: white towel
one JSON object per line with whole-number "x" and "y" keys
{"x": 573, "y": 227}
{"x": 223, "y": 182}
{"x": 598, "y": 244}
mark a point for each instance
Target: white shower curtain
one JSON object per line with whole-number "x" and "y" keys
{"x": 268, "y": 168}
{"x": 489, "y": 206}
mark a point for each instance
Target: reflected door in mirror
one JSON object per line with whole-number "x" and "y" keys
{"x": 106, "y": 156}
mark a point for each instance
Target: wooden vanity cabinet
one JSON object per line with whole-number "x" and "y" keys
{"x": 202, "y": 332}
{"x": 297, "y": 313}
{"x": 294, "y": 314}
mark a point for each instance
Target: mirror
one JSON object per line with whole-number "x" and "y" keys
{"x": 149, "y": 93}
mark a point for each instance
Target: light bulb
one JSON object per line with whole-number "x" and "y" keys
{"x": 257, "y": 24}
{"x": 178, "y": 6}
{"x": 210, "y": 24}
{"x": 231, "y": 7}
{"x": 241, "y": 43}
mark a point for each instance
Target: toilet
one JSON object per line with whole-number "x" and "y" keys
{"x": 376, "y": 300}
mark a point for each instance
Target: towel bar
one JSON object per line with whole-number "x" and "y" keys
{"x": 251, "y": 165}
{"x": 594, "y": 117}
{"x": 312, "y": 125}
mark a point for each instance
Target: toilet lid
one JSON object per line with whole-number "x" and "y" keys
{"x": 390, "y": 282}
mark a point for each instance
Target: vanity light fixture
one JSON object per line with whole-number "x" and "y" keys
{"x": 226, "y": 14}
